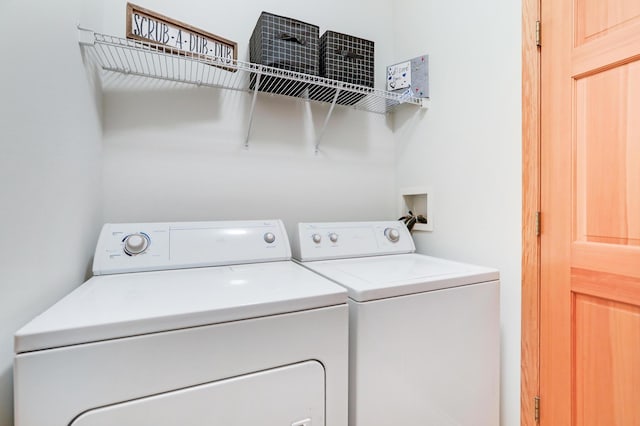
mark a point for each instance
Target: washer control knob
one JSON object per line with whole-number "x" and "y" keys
{"x": 316, "y": 238}
{"x": 269, "y": 237}
{"x": 392, "y": 234}
{"x": 135, "y": 244}
{"x": 333, "y": 237}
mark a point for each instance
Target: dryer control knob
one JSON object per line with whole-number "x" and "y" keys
{"x": 333, "y": 237}
{"x": 135, "y": 244}
{"x": 269, "y": 237}
{"x": 392, "y": 234}
{"x": 316, "y": 238}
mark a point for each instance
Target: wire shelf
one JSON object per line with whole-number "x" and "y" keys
{"x": 161, "y": 62}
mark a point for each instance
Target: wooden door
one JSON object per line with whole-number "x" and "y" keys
{"x": 590, "y": 203}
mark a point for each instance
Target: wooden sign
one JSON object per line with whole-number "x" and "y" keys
{"x": 146, "y": 25}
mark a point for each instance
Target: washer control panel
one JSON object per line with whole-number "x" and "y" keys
{"x": 335, "y": 240}
{"x": 135, "y": 247}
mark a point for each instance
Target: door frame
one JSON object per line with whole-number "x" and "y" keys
{"x": 531, "y": 217}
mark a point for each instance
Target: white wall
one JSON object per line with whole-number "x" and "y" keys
{"x": 467, "y": 147}
{"x": 177, "y": 153}
{"x": 50, "y": 184}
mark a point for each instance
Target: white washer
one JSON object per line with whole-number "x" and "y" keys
{"x": 222, "y": 328}
{"x": 424, "y": 332}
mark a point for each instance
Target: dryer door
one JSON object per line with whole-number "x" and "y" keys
{"x": 284, "y": 396}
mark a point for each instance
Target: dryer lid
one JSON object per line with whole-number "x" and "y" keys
{"x": 379, "y": 277}
{"x": 115, "y": 306}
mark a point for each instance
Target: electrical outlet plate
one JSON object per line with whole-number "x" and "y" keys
{"x": 420, "y": 201}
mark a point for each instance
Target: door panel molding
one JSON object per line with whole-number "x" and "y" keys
{"x": 620, "y": 259}
{"x": 613, "y": 287}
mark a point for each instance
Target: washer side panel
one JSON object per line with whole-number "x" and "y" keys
{"x": 427, "y": 358}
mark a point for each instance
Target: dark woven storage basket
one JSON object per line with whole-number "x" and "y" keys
{"x": 345, "y": 58}
{"x": 285, "y": 43}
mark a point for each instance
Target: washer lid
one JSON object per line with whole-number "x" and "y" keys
{"x": 114, "y": 306}
{"x": 379, "y": 277}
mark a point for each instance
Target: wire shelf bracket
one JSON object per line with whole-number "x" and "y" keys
{"x": 326, "y": 120}
{"x": 252, "y": 110}
{"x": 133, "y": 57}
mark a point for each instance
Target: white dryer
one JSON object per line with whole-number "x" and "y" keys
{"x": 191, "y": 324}
{"x": 424, "y": 332}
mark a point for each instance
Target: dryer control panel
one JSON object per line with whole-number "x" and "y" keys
{"x": 337, "y": 240}
{"x": 136, "y": 247}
